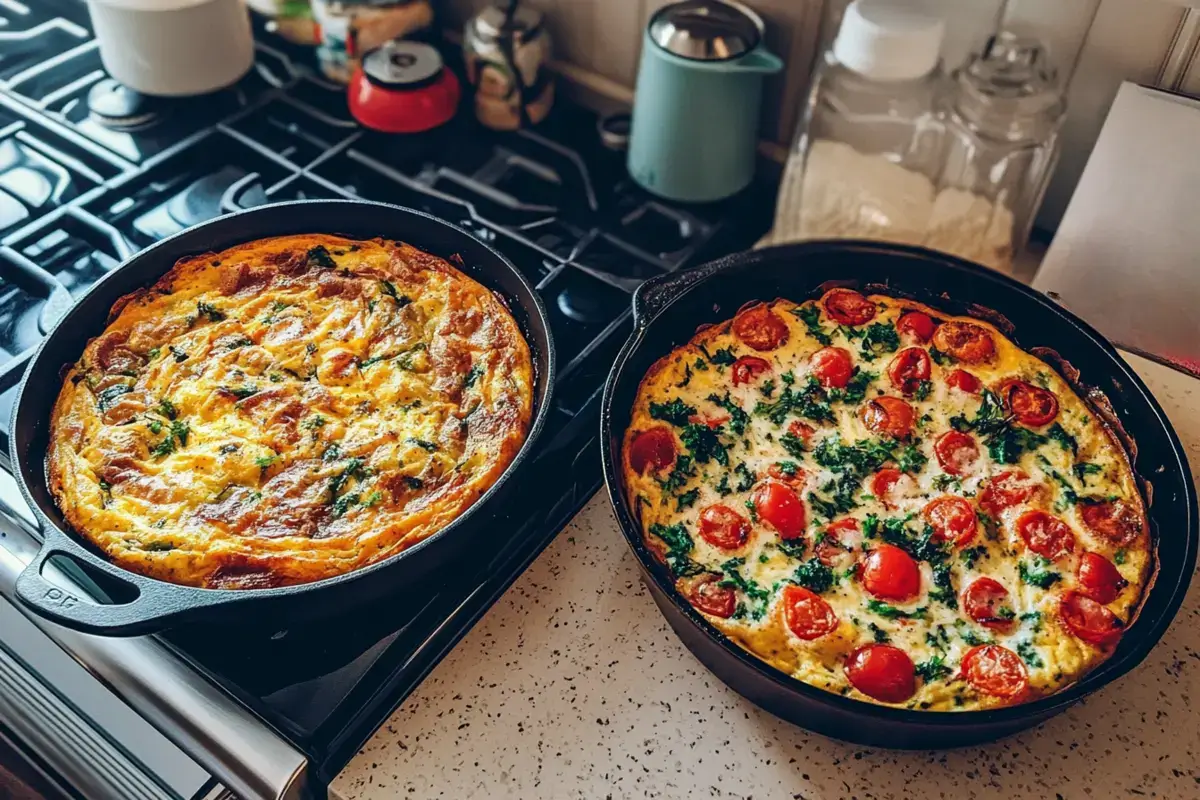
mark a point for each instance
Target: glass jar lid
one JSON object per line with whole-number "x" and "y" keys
{"x": 1010, "y": 90}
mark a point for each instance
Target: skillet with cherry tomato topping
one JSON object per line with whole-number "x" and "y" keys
{"x": 888, "y": 502}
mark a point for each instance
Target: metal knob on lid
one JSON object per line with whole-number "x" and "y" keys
{"x": 400, "y": 64}
{"x": 706, "y": 30}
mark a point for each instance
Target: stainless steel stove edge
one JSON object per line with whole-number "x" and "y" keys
{"x": 237, "y": 748}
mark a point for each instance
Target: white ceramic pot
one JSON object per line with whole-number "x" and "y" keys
{"x": 174, "y": 48}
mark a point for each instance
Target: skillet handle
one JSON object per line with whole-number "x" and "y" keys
{"x": 152, "y": 605}
{"x": 653, "y": 295}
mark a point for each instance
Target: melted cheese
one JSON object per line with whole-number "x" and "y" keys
{"x": 698, "y": 373}
{"x": 288, "y": 410}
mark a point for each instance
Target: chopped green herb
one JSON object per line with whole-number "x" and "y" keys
{"x": 856, "y": 388}
{"x": 969, "y": 635}
{"x": 319, "y": 257}
{"x": 757, "y": 596}
{"x": 351, "y": 469}
{"x": 265, "y": 462}
{"x": 940, "y": 358}
{"x": 810, "y": 315}
{"x": 687, "y": 499}
{"x": 1034, "y": 618}
{"x": 1085, "y": 468}
{"x": 912, "y": 459}
{"x": 687, "y": 377}
{"x": 973, "y": 554}
{"x": 424, "y": 444}
{"x": 945, "y": 483}
{"x": 180, "y": 431}
{"x": 792, "y": 548}
{"x": 105, "y": 398}
{"x": 933, "y": 669}
{"x": 753, "y": 509}
{"x": 675, "y": 412}
{"x": 815, "y": 576}
{"x": 880, "y": 338}
{"x": 738, "y": 418}
{"x": 811, "y": 403}
{"x": 1059, "y": 434}
{"x": 767, "y": 387}
{"x": 943, "y": 591}
{"x": 1119, "y": 557}
{"x": 723, "y": 486}
{"x": 880, "y": 635}
{"x": 473, "y": 374}
{"x": 213, "y": 313}
{"x": 154, "y": 352}
{"x": 313, "y": 422}
{"x": 1029, "y": 655}
{"x": 1037, "y": 574}
{"x": 723, "y": 357}
{"x": 891, "y": 612}
{"x": 793, "y": 444}
{"x": 704, "y": 445}
{"x": 788, "y": 468}
{"x": 240, "y": 392}
{"x": 746, "y": 478}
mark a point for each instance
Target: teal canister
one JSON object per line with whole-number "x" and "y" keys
{"x": 699, "y": 89}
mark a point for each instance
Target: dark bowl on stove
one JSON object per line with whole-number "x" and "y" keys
{"x": 138, "y": 604}
{"x": 668, "y": 310}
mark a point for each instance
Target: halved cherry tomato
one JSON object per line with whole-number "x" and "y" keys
{"x": 796, "y": 480}
{"x": 952, "y": 518}
{"x": 888, "y": 416}
{"x": 884, "y": 481}
{"x": 883, "y": 672}
{"x": 802, "y": 430}
{"x": 966, "y": 342}
{"x": 1031, "y": 405}
{"x": 833, "y": 366}
{"x": 723, "y": 527}
{"x": 891, "y": 574}
{"x": 806, "y": 614}
{"x": 848, "y": 307}
{"x": 1046, "y": 535}
{"x": 963, "y": 381}
{"x": 712, "y": 422}
{"x": 1099, "y": 578}
{"x": 709, "y": 596}
{"x": 986, "y": 602}
{"x": 995, "y": 670}
{"x": 1006, "y": 490}
{"x": 653, "y": 448}
{"x": 956, "y": 451}
{"x": 747, "y": 368}
{"x": 915, "y": 325}
{"x": 831, "y": 547}
{"x": 1089, "y": 620}
{"x": 1114, "y": 520}
{"x": 908, "y": 369}
{"x": 760, "y": 328}
{"x": 779, "y": 506}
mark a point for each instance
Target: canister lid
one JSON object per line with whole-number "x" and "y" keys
{"x": 706, "y": 30}
{"x": 885, "y": 41}
{"x": 401, "y": 65}
{"x": 492, "y": 23}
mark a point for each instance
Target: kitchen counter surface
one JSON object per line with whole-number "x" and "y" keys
{"x": 573, "y": 686}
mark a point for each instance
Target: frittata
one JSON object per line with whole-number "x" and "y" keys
{"x": 288, "y": 410}
{"x": 889, "y": 502}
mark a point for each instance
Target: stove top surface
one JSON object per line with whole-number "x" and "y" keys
{"x": 89, "y": 174}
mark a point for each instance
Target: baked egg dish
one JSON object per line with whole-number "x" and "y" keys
{"x": 888, "y": 502}
{"x": 288, "y": 410}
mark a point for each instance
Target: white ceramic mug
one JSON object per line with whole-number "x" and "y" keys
{"x": 174, "y": 48}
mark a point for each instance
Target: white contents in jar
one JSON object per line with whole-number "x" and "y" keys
{"x": 842, "y": 193}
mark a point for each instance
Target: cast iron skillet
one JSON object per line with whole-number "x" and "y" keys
{"x": 144, "y": 604}
{"x": 667, "y": 311}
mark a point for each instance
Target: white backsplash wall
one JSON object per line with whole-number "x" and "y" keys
{"x": 1098, "y": 43}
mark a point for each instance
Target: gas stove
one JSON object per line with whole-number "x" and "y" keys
{"x": 90, "y": 173}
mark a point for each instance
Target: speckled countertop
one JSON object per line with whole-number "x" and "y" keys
{"x": 573, "y": 686}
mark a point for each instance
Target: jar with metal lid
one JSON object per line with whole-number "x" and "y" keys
{"x": 349, "y": 28}
{"x": 1003, "y": 115}
{"x": 696, "y": 108}
{"x": 506, "y": 50}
